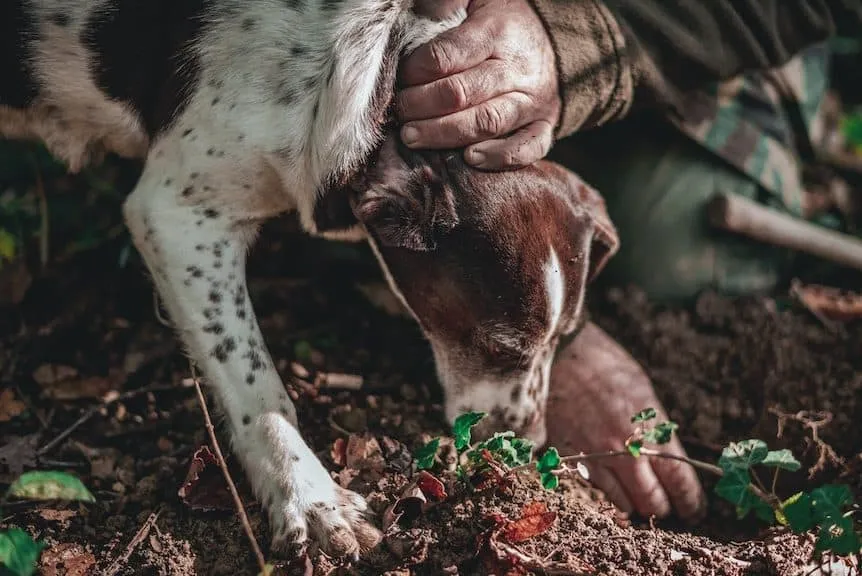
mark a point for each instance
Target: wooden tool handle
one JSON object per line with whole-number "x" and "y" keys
{"x": 743, "y": 216}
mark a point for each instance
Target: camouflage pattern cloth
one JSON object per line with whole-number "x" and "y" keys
{"x": 746, "y": 122}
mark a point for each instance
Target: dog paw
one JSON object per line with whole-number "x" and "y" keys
{"x": 333, "y": 519}
{"x": 305, "y": 505}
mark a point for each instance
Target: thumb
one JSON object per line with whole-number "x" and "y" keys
{"x": 438, "y": 9}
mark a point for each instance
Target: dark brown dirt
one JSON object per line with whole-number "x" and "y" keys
{"x": 719, "y": 365}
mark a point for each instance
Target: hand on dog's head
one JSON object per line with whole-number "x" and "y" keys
{"x": 494, "y": 267}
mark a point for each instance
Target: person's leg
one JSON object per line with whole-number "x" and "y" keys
{"x": 656, "y": 183}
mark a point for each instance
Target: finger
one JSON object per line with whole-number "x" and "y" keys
{"x": 491, "y": 119}
{"x": 454, "y": 93}
{"x": 681, "y": 483}
{"x": 604, "y": 480}
{"x": 438, "y": 9}
{"x": 526, "y": 146}
{"x": 642, "y": 486}
{"x": 451, "y": 52}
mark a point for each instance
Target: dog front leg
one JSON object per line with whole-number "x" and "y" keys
{"x": 195, "y": 247}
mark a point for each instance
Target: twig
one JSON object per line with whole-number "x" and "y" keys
{"x": 45, "y": 230}
{"x": 504, "y": 551}
{"x": 136, "y": 541}
{"x": 106, "y": 401}
{"x": 240, "y": 509}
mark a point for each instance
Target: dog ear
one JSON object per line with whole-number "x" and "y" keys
{"x": 606, "y": 240}
{"x": 410, "y": 213}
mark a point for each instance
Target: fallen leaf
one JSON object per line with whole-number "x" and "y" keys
{"x": 60, "y": 516}
{"x": 48, "y": 374}
{"x": 49, "y": 485}
{"x": 10, "y": 407}
{"x": 204, "y": 487}
{"x": 535, "y": 520}
{"x": 338, "y": 452}
{"x": 364, "y": 453}
{"x": 416, "y": 498}
{"x": 103, "y": 461}
{"x": 19, "y": 453}
{"x": 67, "y": 560}
{"x": 828, "y": 302}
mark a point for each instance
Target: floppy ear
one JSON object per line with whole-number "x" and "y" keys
{"x": 409, "y": 212}
{"x": 606, "y": 240}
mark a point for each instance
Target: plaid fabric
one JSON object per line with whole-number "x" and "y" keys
{"x": 747, "y": 121}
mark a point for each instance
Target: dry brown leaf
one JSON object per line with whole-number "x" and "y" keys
{"x": 10, "y": 407}
{"x": 60, "y": 516}
{"x": 364, "y": 453}
{"x": 338, "y": 452}
{"x": 48, "y": 374}
{"x": 204, "y": 487}
{"x": 416, "y": 498}
{"x": 18, "y": 453}
{"x": 67, "y": 560}
{"x": 103, "y": 461}
{"x": 535, "y": 520}
{"x": 828, "y": 302}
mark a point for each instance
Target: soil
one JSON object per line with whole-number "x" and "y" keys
{"x": 719, "y": 365}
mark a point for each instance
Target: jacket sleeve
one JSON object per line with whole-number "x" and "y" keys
{"x": 615, "y": 54}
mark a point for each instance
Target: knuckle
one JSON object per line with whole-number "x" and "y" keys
{"x": 489, "y": 122}
{"x": 455, "y": 92}
{"x": 440, "y": 53}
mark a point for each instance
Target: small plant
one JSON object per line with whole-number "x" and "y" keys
{"x": 828, "y": 510}
{"x": 19, "y": 553}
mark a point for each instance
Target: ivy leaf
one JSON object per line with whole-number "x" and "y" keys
{"x": 734, "y": 487}
{"x": 796, "y": 512}
{"x": 549, "y": 481}
{"x": 828, "y": 502}
{"x": 19, "y": 552}
{"x": 634, "y": 447}
{"x": 644, "y": 415}
{"x": 764, "y": 511}
{"x": 523, "y": 449}
{"x": 743, "y": 455}
{"x": 49, "y": 485}
{"x": 783, "y": 459}
{"x": 838, "y": 536}
{"x": 549, "y": 462}
{"x": 661, "y": 433}
{"x": 425, "y": 455}
{"x": 462, "y": 427}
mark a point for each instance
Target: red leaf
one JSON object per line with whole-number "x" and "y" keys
{"x": 535, "y": 520}
{"x": 204, "y": 487}
{"x": 338, "y": 452}
{"x": 431, "y": 487}
{"x": 831, "y": 303}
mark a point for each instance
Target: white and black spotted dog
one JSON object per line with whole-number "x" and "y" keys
{"x": 244, "y": 109}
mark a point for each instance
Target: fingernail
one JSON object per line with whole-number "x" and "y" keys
{"x": 409, "y": 135}
{"x": 475, "y": 157}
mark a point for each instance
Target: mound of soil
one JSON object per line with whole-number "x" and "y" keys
{"x": 719, "y": 366}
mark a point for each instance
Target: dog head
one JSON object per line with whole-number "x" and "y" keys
{"x": 492, "y": 265}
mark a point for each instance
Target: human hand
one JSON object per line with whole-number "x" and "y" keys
{"x": 489, "y": 85}
{"x": 595, "y": 389}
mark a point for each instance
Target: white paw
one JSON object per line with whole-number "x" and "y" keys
{"x": 303, "y": 502}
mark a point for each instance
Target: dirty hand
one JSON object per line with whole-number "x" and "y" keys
{"x": 595, "y": 389}
{"x": 490, "y": 85}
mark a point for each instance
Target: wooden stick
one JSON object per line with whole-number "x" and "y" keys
{"x": 743, "y": 216}
{"x": 240, "y": 509}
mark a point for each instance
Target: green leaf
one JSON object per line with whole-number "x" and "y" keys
{"x": 461, "y": 429}
{"x": 425, "y": 455}
{"x": 734, "y": 487}
{"x": 8, "y": 245}
{"x": 644, "y": 415}
{"x": 19, "y": 552}
{"x": 782, "y": 459}
{"x": 549, "y": 461}
{"x": 838, "y": 536}
{"x": 302, "y": 351}
{"x": 49, "y": 486}
{"x": 268, "y": 570}
{"x": 661, "y": 433}
{"x": 634, "y": 447}
{"x": 549, "y": 481}
{"x": 796, "y": 513}
{"x": 523, "y": 449}
{"x": 764, "y": 511}
{"x": 828, "y": 502}
{"x": 743, "y": 455}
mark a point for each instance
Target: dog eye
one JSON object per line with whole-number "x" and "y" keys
{"x": 506, "y": 356}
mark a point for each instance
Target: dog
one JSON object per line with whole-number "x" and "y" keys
{"x": 245, "y": 109}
